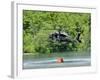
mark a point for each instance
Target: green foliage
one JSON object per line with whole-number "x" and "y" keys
{"x": 28, "y": 43}
{"x": 38, "y": 25}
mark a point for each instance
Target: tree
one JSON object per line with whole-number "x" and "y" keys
{"x": 38, "y": 25}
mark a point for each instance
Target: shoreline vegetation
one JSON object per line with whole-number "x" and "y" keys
{"x": 39, "y": 25}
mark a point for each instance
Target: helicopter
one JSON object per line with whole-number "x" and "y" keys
{"x": 64, "y": 37}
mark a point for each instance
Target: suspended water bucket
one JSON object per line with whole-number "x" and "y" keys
{"x": 60, "y": 60}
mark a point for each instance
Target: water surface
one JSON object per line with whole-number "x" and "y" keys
{"x": 71, "y": 59}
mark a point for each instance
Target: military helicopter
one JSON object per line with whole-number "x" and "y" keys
{"x": 61, "y": 36}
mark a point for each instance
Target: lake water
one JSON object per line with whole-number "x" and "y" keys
{"x": 71, "y": 59}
